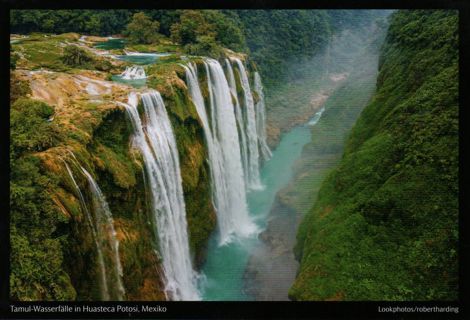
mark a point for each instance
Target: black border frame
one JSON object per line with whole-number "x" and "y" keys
{"x": 238, "y": 310}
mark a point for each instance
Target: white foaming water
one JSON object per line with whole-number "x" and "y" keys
{"x": 130, "y": 53}
{"x": 228, "y": 185}
{"x": 106, "y": 237}
{"x": 240, "y": 121}
{"x": 316, "y": 117}
{"x": 92, "y": 90}
{"x": 261, "y": 119}
{"x": 252, "y": 173}
{"x": 94, "y": 87}
{"x": 104, "y": 291}
{"x": 156, "y": 141}
{"x": 147, "y": 54}
{"x": 133, "y": 73}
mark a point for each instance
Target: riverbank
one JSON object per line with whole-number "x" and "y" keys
{"x": 272, "y": 267}
{"x": 315, "y": 92}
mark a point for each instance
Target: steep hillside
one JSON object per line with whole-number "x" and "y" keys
{"x": 385, "y": 224}
{"x": 68, "y": 118}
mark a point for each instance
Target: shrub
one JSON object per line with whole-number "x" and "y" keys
{"x": 75, "y": 56}
{"x": 30, "y": 127}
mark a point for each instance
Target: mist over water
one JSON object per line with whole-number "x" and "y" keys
{"x": 221, "y": 134}
{"x": 226, "y": 267}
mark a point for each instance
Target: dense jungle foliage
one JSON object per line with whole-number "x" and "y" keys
{"x": 273, "y": 38}
{"x": 36, "y": 241}
{"x": 385, "y": 224}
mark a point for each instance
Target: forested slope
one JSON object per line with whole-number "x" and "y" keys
{"x": 385, "y": 224}
{"x": 274, "y": 38}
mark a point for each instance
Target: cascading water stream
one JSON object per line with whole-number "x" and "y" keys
{"x": 155, "y": 138}
{"x": 107, "y": 241}
{"x": 251, "y": 130}
{"x": 221, "y": 134}
{"x": 240, "y": 122}
{"x": 261, "y": 119}
{"x": 316, "y": 117}
{"x": 133, "y": 73}
{"x": 104, "y": 291}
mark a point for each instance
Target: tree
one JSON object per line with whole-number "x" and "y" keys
{"x": 228, "y": 28}
{"x": 142, "y": 29}
{"x": 192, "y": 25}
{"x": 75, "y": 56}
{"x": 196, "y": 34}
{"x": 204, "y": 46}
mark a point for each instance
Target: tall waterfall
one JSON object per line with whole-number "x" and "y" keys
{"x": 252, "y": 173}
{"x": 261, "y": 119}
{"x": 108, "y": 252}
{"x": 240, "y": 122}
{"x": 228, "y": 185}
{"x": 155, "y": 138}
{"x": 104, "y": 291}
{"x": 133, "y": 73}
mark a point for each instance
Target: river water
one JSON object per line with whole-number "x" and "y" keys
{"x": 225, "y": 265}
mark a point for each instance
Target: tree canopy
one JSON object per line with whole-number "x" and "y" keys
{"x": 385, "y": 224}
{"x": 274, "y": 38}
{"x": 142, "y": 29}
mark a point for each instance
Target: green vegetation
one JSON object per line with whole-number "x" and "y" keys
{"x": 35, "y": 224}
{"x": 192, "y": 151}
{"x": 342, "y": 108}
{"x": 75, "y": 56}
{"x": 38, "y": 51}
{"x": 385, "y": 223}
{"x": 274, "y": 38}
{"x": 13, "y": 59}
{"x": 31, "y": 130}
{"x": 18, "y": 88}
{"x": 369, "y": 235}
{"x": 205, "y": 32}
{"x": 196, "y": 34}
{"x": 99, "y": 135}
{"x": 95, "y": 22}
{"x": 142, "y": 29}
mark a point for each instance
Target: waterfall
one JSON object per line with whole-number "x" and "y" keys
{"x": 133, "y": 73}
{"x": 104, "y": 291}
{"x": 155, "y": 138}
{"x": 261, "y": 119}
{"x": 228, "y": 185}
{"x": 107, "y": 242}
{"x": 252, "y": 173}
{"x": 240, "y": 121}
{"x": 316, "y": 117}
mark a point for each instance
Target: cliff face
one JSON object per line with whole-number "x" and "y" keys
{"x": 96, "y": 136}
{"x": 273, "y": 267}
{"x": 92, "y": 130}
{"x": 385, "y": 223}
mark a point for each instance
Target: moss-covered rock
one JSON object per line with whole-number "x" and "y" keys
{"x": 94, "y": 132}
{"x": 385, "y": 223}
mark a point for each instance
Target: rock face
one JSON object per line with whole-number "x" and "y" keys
{"x": 272, "y": 267}
{"x": 280, "y": 121}
{"x": 95, "y": 133}
{"x": 392, "y": 201}
{"x": 95, "y": 129}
